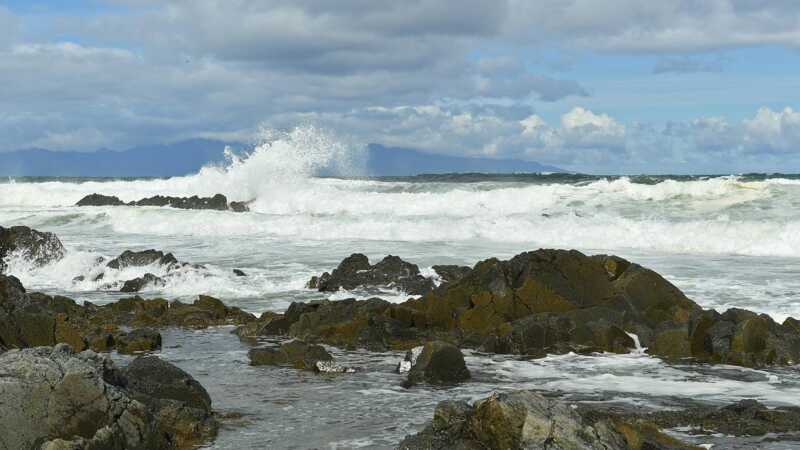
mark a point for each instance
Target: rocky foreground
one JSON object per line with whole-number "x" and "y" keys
{"x": 537, "y": 303}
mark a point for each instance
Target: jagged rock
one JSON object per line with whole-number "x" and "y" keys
{"x": 138, "y": 284}
{"x": 527, "y": 420}
{"x": 296, "y": 353}
{"x": 218, "y": 202}
{"x": 29, "y": 320}
{"x": 39, "y": 247}
{"x": 53, "y": 398}
{"x": 99, "y": 200}
{"x": 356, "y": 271}
{"x": 438, "y": 363}
{"x": 546, "y": 301}
{"x": 451, "y": 273}
{"x": 130, "y": 258}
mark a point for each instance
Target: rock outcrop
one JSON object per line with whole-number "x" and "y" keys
{"x": 38, "y": 247}
{"x": 52, "y": 398}
{"x": 546, "y": 301}
{"x": 30, "y": 320}
{"x": 146, "y": 280}
{"x": 744, "y": 418}
{"x": 142, "y": 258}
{"x": 217, "y": 202}
{"x": 527, "y": 420}
{"x": 356, "y": 271}
{"x": 296, "y": 353}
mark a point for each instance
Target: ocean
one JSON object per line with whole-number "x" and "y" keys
{"x": 726, "y": 241}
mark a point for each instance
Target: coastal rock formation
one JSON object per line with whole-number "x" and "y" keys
{"x": 217, "y": 202}
{"x": 527, "y": 420}
{"x": 546, "y": 301}
{"x": 38, "y": 247}
{"x": 30, "y": 320}
{"x": 438, "y": 363}
{"x": 451, "y": 273}
{"x": 356, "y": 271}
{"x": 55, "y": 399}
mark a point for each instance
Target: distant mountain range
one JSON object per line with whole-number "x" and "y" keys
{"x": 187, "y": 157}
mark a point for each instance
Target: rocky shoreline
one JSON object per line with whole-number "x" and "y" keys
{"x": 535, "y": 304}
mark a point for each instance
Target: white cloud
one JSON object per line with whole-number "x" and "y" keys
{"x": 774, "y": 130}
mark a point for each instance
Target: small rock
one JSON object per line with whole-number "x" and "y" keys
{"x": 138, "y": 284}
{"x": 239, "y": 273}
{"x": 438, "y": 363}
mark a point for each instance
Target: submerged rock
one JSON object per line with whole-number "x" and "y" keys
{"x": 100, "y": 200}
{"x": 56, "y": 399}
{"x": 438, "y": 363}
{"x": 296, "y": 353}
{"x": 527, "y": 420}
{"x": 744, "y": 418}
{"x": 356, "y": 271}
{"x": 38, "y": 247}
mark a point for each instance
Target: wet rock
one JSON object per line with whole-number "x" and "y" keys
{"x": 527, "y": 420}
{"x": 451, "y": 273}
{"x": 138, "y": 284}
{"x": 218, "y": 202}
{"x": 296, "y": 353}
{"x": 138, "y": 341}
{"x": 54, "y": 398}
{"x": 99, "y": 200}
{"x": 181, "y": 404}
{"x": 39, "y": 247}
{"x": 744, "y": 418}
{"x": 130, "y": 258}
{"x": 29, "y": 320}
{"x": 356, "y": 271}
{"x": 238, "y": 206}
{"x": 409, "y": 360}
{"x": 438, "y": 363}
{"x": 239, "y": 273}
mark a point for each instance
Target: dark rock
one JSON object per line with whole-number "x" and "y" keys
{"x": 138, "y": 284}
{"x": 451, "y": 273}
{"x": 356, "y": 271}
{"x": 438, "y": 363}
{"x": 523, "y": 420}
{"x": 156, "y": 378}
{"x": 218, "y": 202}
{"x": 143, "y": 258}
{"x": 239, "y": 273}
{"x": 99, "y": 200}
{"x": 238, "y": 206}
{"x": 38, "y": 247}
{"x": 745, "y": 418}
{"x": 53, "y": 398}
{"x": 297, "y": 354}
{"x": 138, "y": 341}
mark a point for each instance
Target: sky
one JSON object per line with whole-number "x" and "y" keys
{"x": 598, "y": 86}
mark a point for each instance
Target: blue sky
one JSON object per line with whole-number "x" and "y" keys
{"x": 598, "y": 86}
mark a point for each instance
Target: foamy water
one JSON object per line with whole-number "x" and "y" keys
{"x": 731, "y": 241}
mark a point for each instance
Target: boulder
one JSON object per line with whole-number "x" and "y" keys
{"x": 99, "y": 200}
{"x": 39, "y": 247}
{"x": 54, "y": 398}
{"x": 438, "y": 363}
{"x": 143, "y": 258}
{"x": 218, "y": 202}
{"x": 356, "y": 271}
{"x": 296, "y": 353}
{"x": 146, "y": 280}
{"x": 137, "y": 341}
{"x": 451, "y": 273}
{"x": 527, "y": 420}
{"x": 182, "y": 406}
